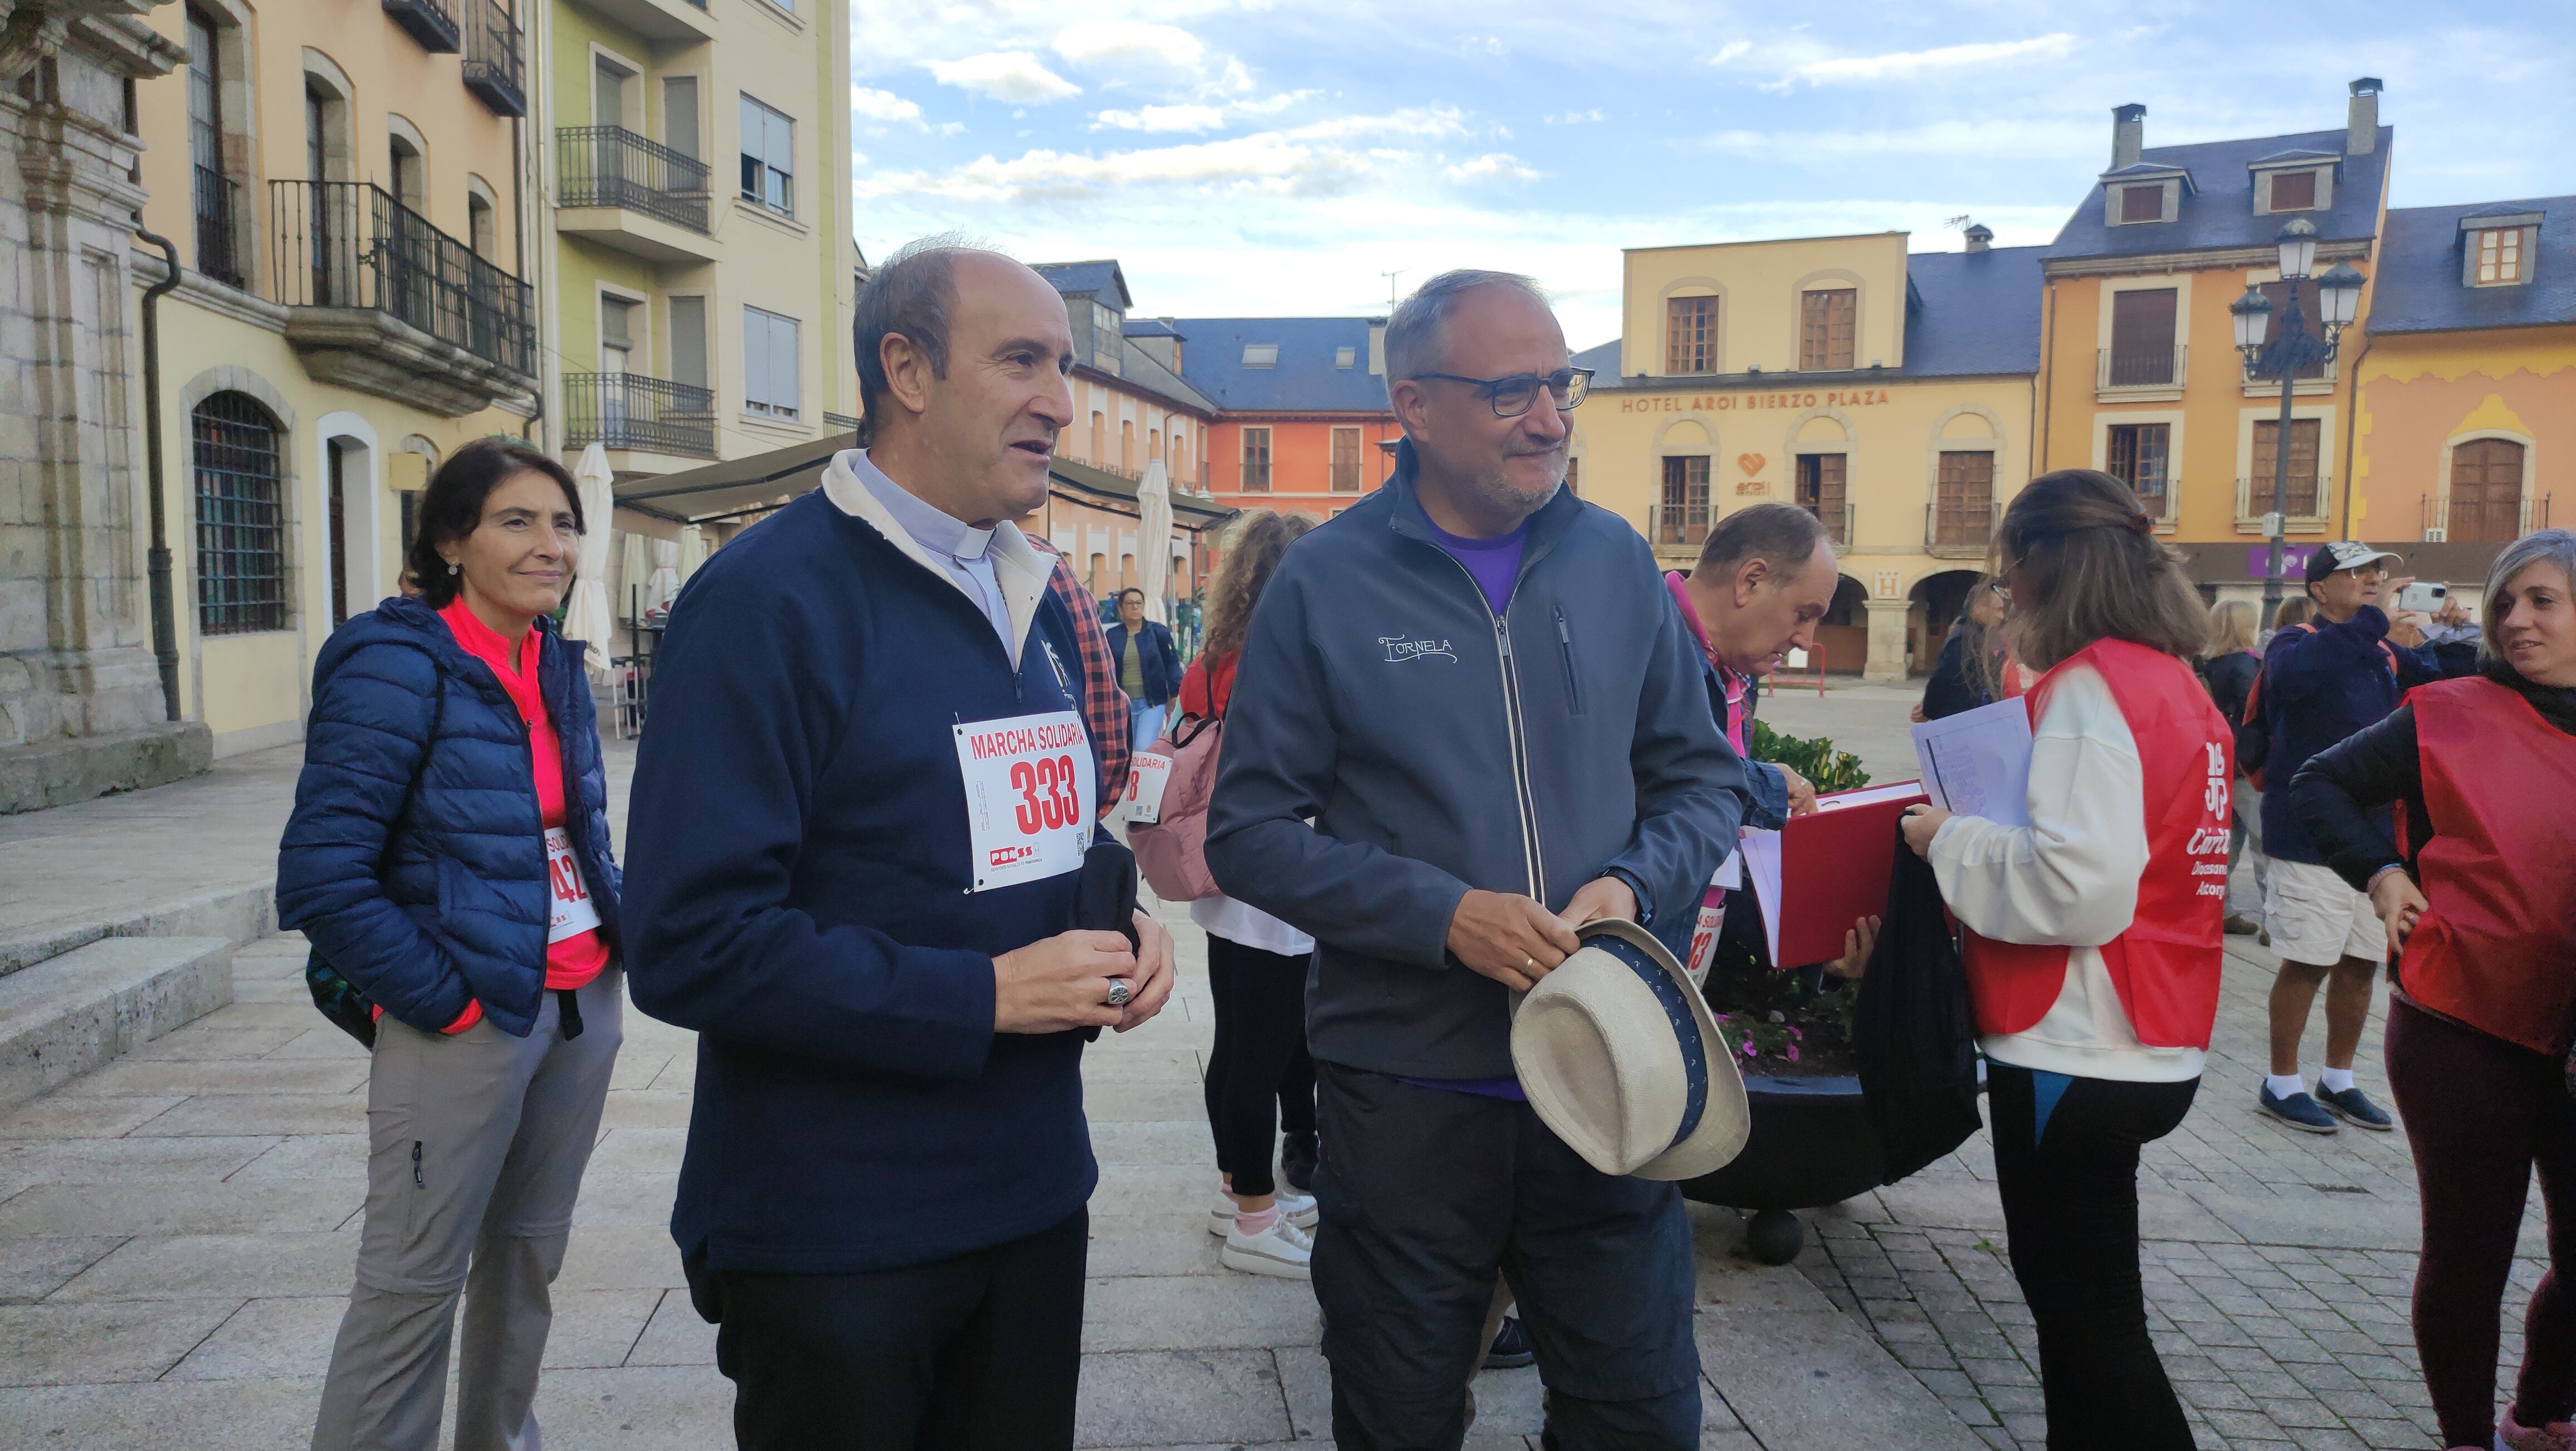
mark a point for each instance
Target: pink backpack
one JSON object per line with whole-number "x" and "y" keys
{"x": 1172, "y": 852}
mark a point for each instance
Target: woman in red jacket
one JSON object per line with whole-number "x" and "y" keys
{"x": 2093, "y": 934}
{"x": 1256, "y": 974}
{"x": 2482, "y": 897}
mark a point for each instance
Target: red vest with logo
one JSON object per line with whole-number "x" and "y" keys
{"x": 2496, "y": 947}
{"x": 2166, "y": 964}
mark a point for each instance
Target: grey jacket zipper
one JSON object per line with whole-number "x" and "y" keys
{"x": 1532, "y": 858}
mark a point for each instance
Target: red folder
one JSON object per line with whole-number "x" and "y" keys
{"x": 1834, "y": 869}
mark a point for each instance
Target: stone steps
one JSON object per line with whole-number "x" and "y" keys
{"x": 77, "y": 1011}
{"x": 236, "y": 914}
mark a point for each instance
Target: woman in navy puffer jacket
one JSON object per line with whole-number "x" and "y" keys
{"x": 449, "y": 860}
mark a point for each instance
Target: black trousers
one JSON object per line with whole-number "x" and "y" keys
{"x": 1259, "y": 1059}
{"x": 2070, "y": 1192}
{"x": 1427, "y": 1193}
{"x": 981, "y": 1352}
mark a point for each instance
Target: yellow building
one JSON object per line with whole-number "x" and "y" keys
{"x": 343, "y": 186}
{"x": 2139, "y": 372}
{"x": 1887, "y": 393}
{"x": 2467, "y": 413}
{"x": 695, "y": 251}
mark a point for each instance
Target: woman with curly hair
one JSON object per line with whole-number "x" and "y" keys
{"x": 1256, "y": 972}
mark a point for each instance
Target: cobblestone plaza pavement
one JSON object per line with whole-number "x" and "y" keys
{"x": 177, "y": 1231}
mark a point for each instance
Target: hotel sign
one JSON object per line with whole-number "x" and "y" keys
{"x": 1754, "y": 402}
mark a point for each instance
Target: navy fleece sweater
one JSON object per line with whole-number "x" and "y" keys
{"x": 797, "y": 893}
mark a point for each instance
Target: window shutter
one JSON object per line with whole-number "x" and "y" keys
{"x": 2143, "y": 203}
{"x": 689, "y": 341}
{"x": 755, "y": 360}
{"x": 2142, "y": 337}
{"x": 2294, "y": 191}
{"x": 785, "y": 383}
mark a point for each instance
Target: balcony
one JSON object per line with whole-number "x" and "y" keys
{"x": 2139, "y": 374}
{"x": 495, "y": 57}
{"x": 1682, "y": 525}
{"x": 840, "y": 422}
{"x": 639, "y": 414}
{"x": 2315, "y": 379}
{"x": 660, "y": 21}
{"x": 1837, "y": 519}
{"x": 2449, "y": 518}
{"x": 431, "y": 22}
{"x": 383, "y": 302}
{"x": 2309, "y": 498}
{"x": 1958, "y": 530}
{"x": 621, "y": 190}
{"x": 220, "y": 215}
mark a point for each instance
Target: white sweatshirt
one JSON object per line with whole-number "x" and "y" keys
{"x": 2071, "y": 876}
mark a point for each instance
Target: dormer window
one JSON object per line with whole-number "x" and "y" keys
{"x": 2294, "y": 191}
{"x": 2142, "y": 203}
{"x": 1346, "y": 357}
{"x": 1261, "y": 355}
{"x": 2499, "y": 256}
{"x": 2294, "y": 181}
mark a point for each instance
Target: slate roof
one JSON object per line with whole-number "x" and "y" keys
{"x": 1967, "y": 314}
{"x": 1142, "y": 370}
{"x": 2217, "y": 209}
{"x": 2418, "y": 276}
{"x": 1076, "y": 279}
{"x": 1303, "y": 380}
{"x": 1148, "y": 327}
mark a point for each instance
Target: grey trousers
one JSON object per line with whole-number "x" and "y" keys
{"x": 475, "y": 1150}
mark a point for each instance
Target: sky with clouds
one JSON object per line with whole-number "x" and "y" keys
{"x": 1246, "y": 159}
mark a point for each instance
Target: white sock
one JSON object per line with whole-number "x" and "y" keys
{"x": 1252, "y": 1224}
{"x": 2335, "y": 1080}
{"x": 2285, "y": 1084}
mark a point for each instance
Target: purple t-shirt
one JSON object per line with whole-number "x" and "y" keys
{"x": 1496, "y": 564}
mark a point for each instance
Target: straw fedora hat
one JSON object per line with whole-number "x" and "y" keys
{"x": 1621, "y": 1059}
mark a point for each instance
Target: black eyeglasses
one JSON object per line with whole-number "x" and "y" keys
{"x": 1513, "y": 396}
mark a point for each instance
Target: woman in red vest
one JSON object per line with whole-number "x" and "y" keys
{"x": 2093, "y": 933}
{"x": 2483, "y": 898}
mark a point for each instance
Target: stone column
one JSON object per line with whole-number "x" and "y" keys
{"x": 80, "y": 701}
{"x": 1887, "y": 640}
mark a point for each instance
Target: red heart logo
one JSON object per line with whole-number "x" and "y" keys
{"x": 1751, "y": 463}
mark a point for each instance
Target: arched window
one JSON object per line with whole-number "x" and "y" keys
{"x": 241, "y": 516}
{"x": 2486, "y": 491}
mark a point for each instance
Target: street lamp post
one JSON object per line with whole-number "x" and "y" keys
{"x": 2290, "y": 348}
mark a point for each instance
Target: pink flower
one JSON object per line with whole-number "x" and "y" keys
{"x": 1750, "y": 1051}
{"x": 1793, "y": 1052}
{"x": 1794, "y": 1033}
{"x": 1723, "y": 1017}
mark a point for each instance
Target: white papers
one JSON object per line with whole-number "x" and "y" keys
{"x": 1761, "y": 855}
{"x": 1842, "y": 800}
{"x": 1730, "y": 873}
{"x": 1977, "y": 763}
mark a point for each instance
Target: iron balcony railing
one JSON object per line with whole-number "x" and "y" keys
{"x": 495, "y": 57}
{"x": 2139, "y": 367}
{"x": 1837, "y": 519}
{"x": 1685, "y": 523}
{"x": 431, "y": 22}
{"x": 628, "y": 410}
{"x": 840, "y": 422}
{"x": 350, "y": 244}
{"x": 2483, "y": 521}
{"x": 2308, "y": 498}
{"x": 219, "y": 221}
{"x": 610, "y": 166}
{"x": 1958, "y": 525}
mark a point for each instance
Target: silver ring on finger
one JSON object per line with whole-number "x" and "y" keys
{"x": 1119, "y": 992}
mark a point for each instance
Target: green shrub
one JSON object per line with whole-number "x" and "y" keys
{"x": 1816, "y": 759}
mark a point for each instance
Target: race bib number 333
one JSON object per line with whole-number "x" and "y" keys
{"x": 1030, "y": 796}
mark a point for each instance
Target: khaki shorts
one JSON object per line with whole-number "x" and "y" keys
{"x": 2315, "y": 918}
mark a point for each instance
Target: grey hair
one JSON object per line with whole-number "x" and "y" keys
{"x": 1781, "y": 535}
{"x": 910, "y": 293}
{"x": 1413, "y": 333}
{"x": 2549, "y": 546}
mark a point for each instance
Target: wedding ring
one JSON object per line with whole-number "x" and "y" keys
{"x": 1528, "y": 963}
{"x": 1119, "y": 992}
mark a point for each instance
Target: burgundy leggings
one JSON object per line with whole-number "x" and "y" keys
{"x": 2480, "y": 1114}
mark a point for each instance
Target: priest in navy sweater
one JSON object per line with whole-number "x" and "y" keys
{"x": 857, "y": 818}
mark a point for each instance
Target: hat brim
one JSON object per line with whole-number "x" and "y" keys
{"x": 1726, "y": 1121}
{"x": 2373, "y": 557}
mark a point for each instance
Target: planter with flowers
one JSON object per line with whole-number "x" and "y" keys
{"x": 1812, "y": 1143}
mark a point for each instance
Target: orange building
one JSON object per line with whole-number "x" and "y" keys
{"x": 2139, "y": 373}
{"x": 2467, "y": 414}
{"x": 1304, "y": 425}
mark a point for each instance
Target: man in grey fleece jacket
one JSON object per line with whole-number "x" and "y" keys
{"x": 1479, "y": 691}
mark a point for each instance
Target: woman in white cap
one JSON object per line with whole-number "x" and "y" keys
{"x": 2093, "y": 933}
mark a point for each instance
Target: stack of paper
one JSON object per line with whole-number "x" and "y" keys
{"x": 1823, "y": 872}
{"x": 1977, "y": 763}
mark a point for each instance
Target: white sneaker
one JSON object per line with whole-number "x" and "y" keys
{"x": 1298, "y": 1209}
{"x": 1282, "y": 1250}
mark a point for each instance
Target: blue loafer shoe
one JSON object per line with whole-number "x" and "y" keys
{"x": 2298, "y": 1111}
{"x": 2355, "y": 1108}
